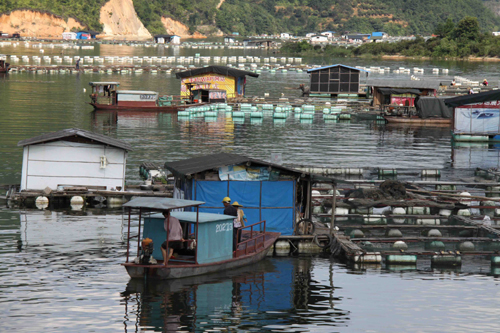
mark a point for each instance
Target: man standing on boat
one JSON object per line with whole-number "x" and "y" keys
{"x": 174, "y": 236}
{"x": 228, "y": 209}
{"x": 78, "y": 64}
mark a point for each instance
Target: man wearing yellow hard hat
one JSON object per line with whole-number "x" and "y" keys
{"x": 228, "y": 209}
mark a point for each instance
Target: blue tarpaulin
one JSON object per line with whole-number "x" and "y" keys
{"x": 272, "y": 201}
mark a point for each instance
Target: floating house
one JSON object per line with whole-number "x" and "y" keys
{"x": 476, "y": 117}
{"x": 335, "y": 79}
{"x": 229, "y": 40}
{"x": 167, "y": 39}
{"x": 398, "y": 92}
{"x": 267, "y": 191}
{"x": 263, "y": 43}
{"x": 69, "y": 35}
{"x": 216, "y": 78}
{"x": 73, "y": 157}
{"x": 86, "y": 34}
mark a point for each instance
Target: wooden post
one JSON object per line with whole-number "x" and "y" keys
{"x": 334, "y": 204}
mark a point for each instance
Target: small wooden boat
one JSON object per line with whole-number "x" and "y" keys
{"x": 415, "y": 120}
{"x": 105, "y": 96}
{"x": 4, "y": 66}
{"x": 209, "y": 241}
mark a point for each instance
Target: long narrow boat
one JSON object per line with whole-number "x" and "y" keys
{"x": 106, "y": 96}
{"x": 208, "y": 245}
{"x": 415, "y": 120}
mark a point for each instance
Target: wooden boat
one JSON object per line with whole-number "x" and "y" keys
{"x": 106, "y": 96}
{"x": 209, "y": 241}
{"x": 415, "y": 120}
{"x": 4, "y": 66}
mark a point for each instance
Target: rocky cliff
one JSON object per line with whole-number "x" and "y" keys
{"x": 33, "y": 23}
{"x": 120, "y": 20}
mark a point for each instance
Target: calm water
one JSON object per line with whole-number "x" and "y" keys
{"x": 60, "y": 270}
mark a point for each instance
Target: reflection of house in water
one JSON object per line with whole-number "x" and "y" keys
{"x": 469, "y": 155}
{"x": 270, "y": 292}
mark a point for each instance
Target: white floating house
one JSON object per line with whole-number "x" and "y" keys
{"x": 69, "y": 35}
{"x": 73, "y": 157}
{"x": 167, "y": 39}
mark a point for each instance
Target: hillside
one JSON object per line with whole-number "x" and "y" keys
{"x": 250, "y": 17}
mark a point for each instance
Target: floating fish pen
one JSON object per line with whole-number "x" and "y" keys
{"x": 405, "y": 223}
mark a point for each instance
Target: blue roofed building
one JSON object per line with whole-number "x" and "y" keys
{"x": 274, "y": 193}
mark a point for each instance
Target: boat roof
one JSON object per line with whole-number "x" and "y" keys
{"x": 493, "y": 95}
{"x": 336, "y": 65}
{"x": 75, "y": 132}
{"x": 136, "y": 92}
{"x": 104, "y": 83}
{"x": 190, "y": 217}
{"x": 161, "y": 203}
{"x": 416, "y": 84}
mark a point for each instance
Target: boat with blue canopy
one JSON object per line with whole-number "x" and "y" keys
{"x": 207, "y": 245}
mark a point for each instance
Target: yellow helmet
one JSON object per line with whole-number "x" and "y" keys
{"x": 226, "y": 199}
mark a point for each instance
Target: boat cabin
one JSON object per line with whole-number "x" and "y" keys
{"x": 208, "y": 237}
{"x": 104, "y": 92}
{"x": 400, "y": 92}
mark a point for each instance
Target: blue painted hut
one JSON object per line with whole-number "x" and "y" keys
{"x": 267, "y": 191}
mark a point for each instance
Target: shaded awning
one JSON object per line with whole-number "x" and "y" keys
{"x": 397, "y": 91}
{"x": 161, "y": 203}
{"x": 493, "y": 95}
{"x": 223, "y": 70}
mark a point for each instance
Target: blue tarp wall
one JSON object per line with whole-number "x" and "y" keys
{"x": 273, "y": 201}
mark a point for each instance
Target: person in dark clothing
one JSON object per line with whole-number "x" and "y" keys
{"x": 228, "y": 209}
{"x": 78, "y": 64}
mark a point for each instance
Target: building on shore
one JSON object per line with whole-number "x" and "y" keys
{"x": 73, "y": 157}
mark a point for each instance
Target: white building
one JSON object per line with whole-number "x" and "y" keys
{"x": 69, "y": 35}
{"x": 285, "y": 35}
{"x": 318, "y": 39}
{"x": 328, "y": 34}
{"x": 167, "y": 39}
{"x": 309, "y": 35}
{"x": 73, "y": 157}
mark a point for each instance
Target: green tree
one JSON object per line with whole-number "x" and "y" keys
{"x": 467, "y": 29}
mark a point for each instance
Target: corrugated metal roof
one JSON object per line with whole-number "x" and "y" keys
{"x": 325, "y": 67}
{"x": 161, "y": 203}
{"x": 223, "y": 70}
{"x": 195, "y": 165}
{"x": 72, "y": 132}
{"x": 417, "y": 84}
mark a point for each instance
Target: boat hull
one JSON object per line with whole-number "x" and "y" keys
{"x": 418, "y": 121}
{"x": 180, "y": 271}
{"x": 171, "y": 108}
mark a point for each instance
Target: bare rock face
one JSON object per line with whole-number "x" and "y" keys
{"x": 32, "y": 23}
{"x": 174, "y": 27}
{"x": 119, "y": 19}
